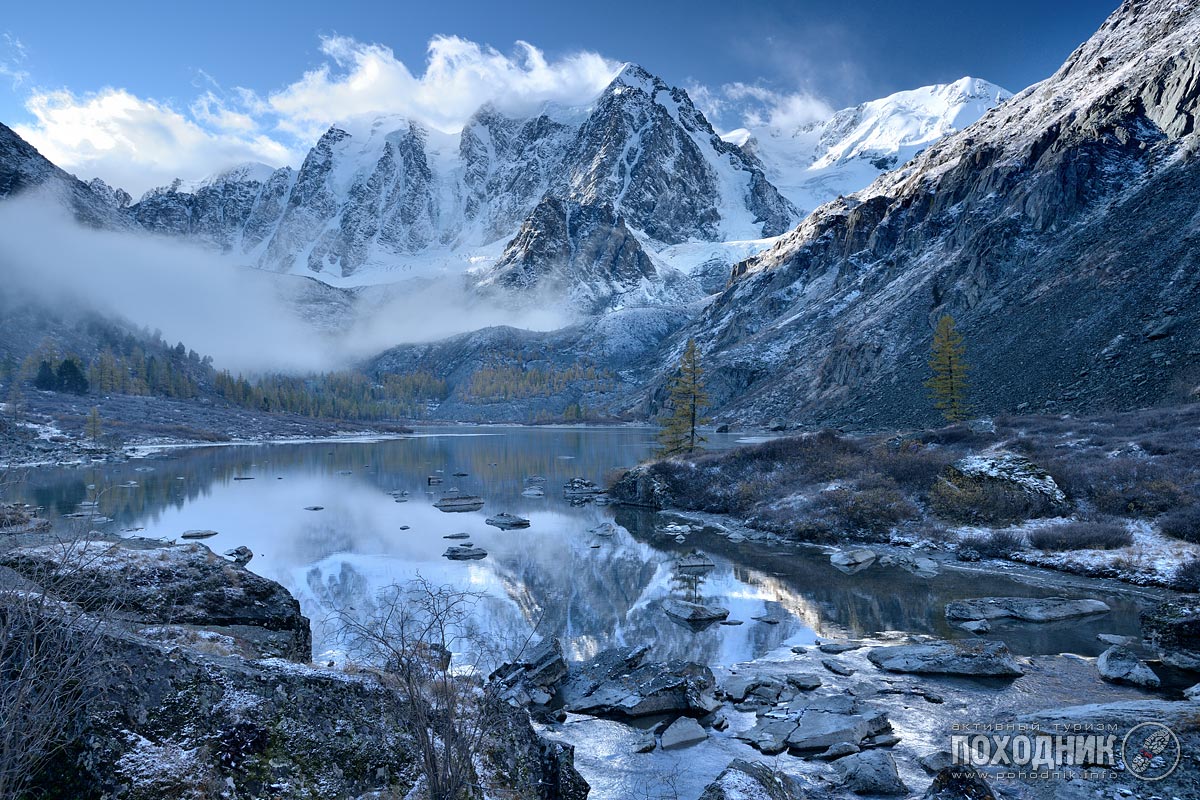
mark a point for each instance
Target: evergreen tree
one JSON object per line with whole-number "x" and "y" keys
{"x": 46, "y": 380}
{"x": 93, "y": 428}
{"x": 71, "y": 378}
{"x": 685, "y": 407}
{"x": 948, "y": 384}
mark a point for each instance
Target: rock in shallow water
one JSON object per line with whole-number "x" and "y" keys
{"x": 989, "y": 659}
{"x": 693, "y": 612}
{"x": 616, "y": 683}
{"x": 1025, "y": 609}
{"x": 852, "y": 560}
{"x": 1120, "y": 665}
{"x": 872, "y": 772}
{"x": 683, "y": 732}
{"x": 465, "y": 552}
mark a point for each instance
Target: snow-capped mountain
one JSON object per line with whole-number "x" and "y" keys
{"x": 383, "y": 198}
{"x": 23, "y": 168}
{"x": 821, "y": 161}
{"x": 1059, "y": 231}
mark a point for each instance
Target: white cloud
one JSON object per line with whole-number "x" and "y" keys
{"x": 137, "y": 143}
{"x": 12, "y": 57}
{"x": 773, "y": 109}
{"x": 756, "y": 107}
{"x": 459, "y": 77}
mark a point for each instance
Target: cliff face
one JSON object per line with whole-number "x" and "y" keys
{"x": 1060, "y": 231}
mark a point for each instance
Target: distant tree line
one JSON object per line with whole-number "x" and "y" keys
{"x": 519, "y": 381}
{"x": 337, "y": 395}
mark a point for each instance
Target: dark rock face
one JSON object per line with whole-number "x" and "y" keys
{"x": 959, "y": 783}
{"x": 184, "y": 585}
{"x": 1051, "y": 229}
{"x": 23, "y": 168}
{"x": 641, "y": 486}
{"x": 311, "y": 204}
{"x": 644, "y": 143}
{"x": 581, "y": 251}
{"x": 218, "y": 212}
{"x": 616, "y": 683}
{"x": 1173, "y": 629}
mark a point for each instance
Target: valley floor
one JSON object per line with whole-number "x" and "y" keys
{"x": 52, "y": 427}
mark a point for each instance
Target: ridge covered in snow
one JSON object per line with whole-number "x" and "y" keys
{"x": 818, "y": 162}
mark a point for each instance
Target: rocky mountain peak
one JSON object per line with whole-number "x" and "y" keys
{"x": 1050, "y": 229}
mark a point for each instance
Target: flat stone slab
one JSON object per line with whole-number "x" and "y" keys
{"x": 820, "y": 730}
{"x": 1025, "y": 609}
{"x": 197, "y": 534}
{"x": 506, "y": 521}
{"x": 693, "y": 612}
{"x": 465, "y": 552}
{"x": 984, "y": 659}
{"x": 851, "y": 559}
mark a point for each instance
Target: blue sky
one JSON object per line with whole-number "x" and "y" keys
{"x": 135, "y": 91}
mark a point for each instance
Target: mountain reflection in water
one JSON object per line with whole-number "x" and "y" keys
{"x": 594, "y": 591}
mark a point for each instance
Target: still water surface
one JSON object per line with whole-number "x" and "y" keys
{"x": 592, "y": 591}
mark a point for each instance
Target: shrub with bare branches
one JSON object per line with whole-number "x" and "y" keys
{"x": 409, "y": 634}
{"x": 51, "y": 662}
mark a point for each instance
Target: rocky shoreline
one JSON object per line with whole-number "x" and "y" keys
{"x": 853, "y": 717}
{"x": 52, "y": 428}
{"x": 204, "y": 687}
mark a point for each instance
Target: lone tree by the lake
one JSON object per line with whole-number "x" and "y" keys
{"x": 686, "y": 404}
{"x": 948, "y": 384}
{"x": 93, "y": 427}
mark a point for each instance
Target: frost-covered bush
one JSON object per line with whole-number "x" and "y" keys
{"x": 1182, "y": 523}
{"x": 997, "y": 544}
{"x": 1138, "y": 498}
{"x": 1082, "y": 535}
{"x": 1186, "y": 577}
{"x": 874, "y": 506}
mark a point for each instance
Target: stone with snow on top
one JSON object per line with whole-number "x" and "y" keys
{"x": 1010, "y": 471}
{"x": 745, "y": 780}
{"x": 506, "y": 521}
{"x": 990, "y": 659}
{"x": 1120, "y": 665}
{"x": 1025, "y": 609}
{"x": 693, "y": 612}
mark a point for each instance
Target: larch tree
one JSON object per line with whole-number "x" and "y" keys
{"x": 948, "y": 384}
{"x": 686, "y": 404}
{"x": 94, "y": 427}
